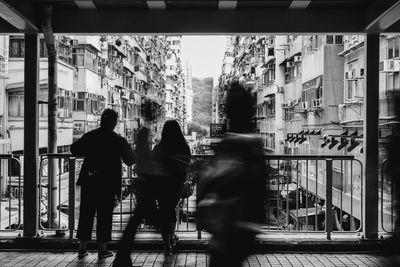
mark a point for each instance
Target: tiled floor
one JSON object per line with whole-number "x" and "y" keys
{"x": 190, "y": 259}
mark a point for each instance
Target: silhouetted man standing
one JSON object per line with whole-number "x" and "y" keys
{"x": 100, "y": 180}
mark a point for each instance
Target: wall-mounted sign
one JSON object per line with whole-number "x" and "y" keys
{"x": 217, "y": 130}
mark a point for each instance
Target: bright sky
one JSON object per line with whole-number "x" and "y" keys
{"x": 205, "y": 54}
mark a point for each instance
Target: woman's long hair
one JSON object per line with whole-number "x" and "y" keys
{"x": 172, "y": 139}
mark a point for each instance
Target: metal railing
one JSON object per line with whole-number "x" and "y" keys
{"x": 314, "y": 194}
{"x": 387, "y": 199}
{"x": 303, "y": 194}
{"x": 64, "y": 188}
{"x": 10, "y": 193}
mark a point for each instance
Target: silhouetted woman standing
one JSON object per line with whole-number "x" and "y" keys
{"x": 171, "y": 158}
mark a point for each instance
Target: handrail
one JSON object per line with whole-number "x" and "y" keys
{"x": 9, "y": 158}
{"x": 270, "y": 157}
{"x": 316, "y": 176}
{"x": 286, "y": 157}
{"x": 382, "y": 173}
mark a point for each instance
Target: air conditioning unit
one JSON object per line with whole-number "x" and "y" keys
{"x": 297, "y": 59}
{"x": 289, "y": 64}
{"x": 358, "y": 73}
{"x": 317, "y": 103}
{"x": 279, "y": 89}
{"x": 389, "y": 65}
{"x": 74, "y": 42}
{"x": 295, "y": 102}
{"x": 304, "y": 105}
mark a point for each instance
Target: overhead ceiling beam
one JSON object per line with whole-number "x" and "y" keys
{"x": 227, "y": 4}
{"x": 200, "y": 21}
{"x": 381, "y": 14}
{"x": 156, "y": 4}
{"x": 85, "y": 4}
{"x": 298, "y": 4}
{"x": 15, "y": 18}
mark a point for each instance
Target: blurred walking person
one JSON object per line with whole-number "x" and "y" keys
{"x": 100, "y": 180}
{"x": 394, "y": 173}
{"x": 145, "y": 189}
{"x": 171, "y": 159}
{"x": 231, "y": 187}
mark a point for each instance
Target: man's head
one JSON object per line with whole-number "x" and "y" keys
{"x": 109, "y": 119}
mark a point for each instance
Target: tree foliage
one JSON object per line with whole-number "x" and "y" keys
{"x": 195, "y": 127}
{"x": 202, "y": 100}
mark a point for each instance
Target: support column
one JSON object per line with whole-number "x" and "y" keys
{"x": 53, "y": 192}
{"x": 31, "y": 134}
{"x": 371, "y": 130}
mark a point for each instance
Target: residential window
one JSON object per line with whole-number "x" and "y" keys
{"x": 270, "y": 141}
{"x": 43, "y": 49}
{"x": 270, "y": 106}
{"x": 312, "y": 90}
{"x": 338, "y": 39}
{"x": 82, "y": 57}
{"x": 16, "y": 104}
{"x": 94, "y": 106}
{"x": 17, "y": 48}
{"x": 329, "y": 39}
{"x": 79, "y": 103}
{"x": 393, "y": 47}
{"x": 334, "y": 39}
{"x": 393, "y": 83}
{"x": 296, "y": 70}
{"x": 288, "y": 114}
{"x": 353, "y": 83}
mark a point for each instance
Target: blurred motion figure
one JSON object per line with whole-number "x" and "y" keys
{"x": 145, "y": 195}
{"x": 231, "y": 188}
{"x": 394, "y": 172}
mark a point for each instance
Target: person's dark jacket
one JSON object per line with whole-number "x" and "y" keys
{"x": 104, "y": 151}
{"x": 237, "y": 169}
{"x": 171, "y": 162}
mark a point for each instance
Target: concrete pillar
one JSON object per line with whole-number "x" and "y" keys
{"x": 371, "y": 130}
{"x": 31, "y": 134}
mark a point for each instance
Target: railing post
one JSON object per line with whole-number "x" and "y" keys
{"x": 31, "y": 135}
{"x": 328, "y": 211}
{"x": 71, "y": 197}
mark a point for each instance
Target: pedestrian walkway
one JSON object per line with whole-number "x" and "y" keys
{"x": 192, "y": 259}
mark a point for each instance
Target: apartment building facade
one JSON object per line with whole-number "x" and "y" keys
{"x": 175, "y": 102}
{"x": 125, "y": 73}
{"x": 309, "y": 100}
